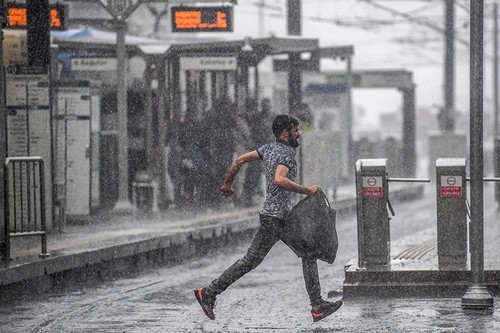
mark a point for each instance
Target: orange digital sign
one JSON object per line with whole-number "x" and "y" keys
{"x": 198, "y": 19}
{"x": 17, "y": 17}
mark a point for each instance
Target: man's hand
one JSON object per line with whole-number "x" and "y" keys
{"x": 313, "y": 189}
{"x": 226, "y": 190}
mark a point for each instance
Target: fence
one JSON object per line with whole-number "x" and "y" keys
{"x": 24, "y": 197}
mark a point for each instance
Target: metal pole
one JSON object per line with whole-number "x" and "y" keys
{"x": 150, "y": 67}
{"x": 349, "y": 154}
{"x": 123, "y": 205}
{"x": 261, "y": 17}
{"x": 495, "y": 70}
{"x": 3, "y": 127}
{"x": 496, "y": 142}
{"x": 409, "y": 125}
{"x": 449, "y": 68}
{"x": 477, "y": 296}
{"x": 163, "y": 102}
{"x": 38, "y": 34}
{"x": 121, "y": 10}
{"x": 294, "y": 18}
{"x": 294, "y": 74}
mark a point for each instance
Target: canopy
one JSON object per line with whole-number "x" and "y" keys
{"x": 92, "y": 39}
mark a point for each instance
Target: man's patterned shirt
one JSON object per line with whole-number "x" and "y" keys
{"x": 278, "y": 200}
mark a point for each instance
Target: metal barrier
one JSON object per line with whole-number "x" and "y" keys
{"x": 24, "y": 197}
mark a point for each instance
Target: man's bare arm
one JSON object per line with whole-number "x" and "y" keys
{"x": 226, "y": 189}
{"x": 281, "y": 180}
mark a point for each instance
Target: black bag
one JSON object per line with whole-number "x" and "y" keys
{"x": 310, "y": 228}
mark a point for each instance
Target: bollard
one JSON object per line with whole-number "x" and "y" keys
{"x": 451, "y": 183}
{"x": 145, "y": 196}
{"x": 372, "y": 196}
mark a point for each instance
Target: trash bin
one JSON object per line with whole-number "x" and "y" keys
{"x": 143, "y": 196}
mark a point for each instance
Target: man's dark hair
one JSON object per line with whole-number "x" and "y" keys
{"x": 283, "y": 122}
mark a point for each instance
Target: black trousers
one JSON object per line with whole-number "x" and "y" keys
{"x": 267, "y": 235}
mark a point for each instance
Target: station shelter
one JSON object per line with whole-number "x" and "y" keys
{"x": 179, "y": 80}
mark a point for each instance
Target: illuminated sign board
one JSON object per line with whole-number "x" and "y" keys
{"x": 202, "y": 19}
{"x": 17, "y": 16}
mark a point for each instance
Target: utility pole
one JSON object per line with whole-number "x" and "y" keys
{"x": 477, "y": 296}
{"x": 448, "y": 117}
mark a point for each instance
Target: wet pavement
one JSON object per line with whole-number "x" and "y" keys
{"x": 270, "y": 299}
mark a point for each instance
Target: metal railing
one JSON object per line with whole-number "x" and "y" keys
{"x": 24, "y": 185}
{"x": 404, "y": 180}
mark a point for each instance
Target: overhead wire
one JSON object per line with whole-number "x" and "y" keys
{"x": 344, "y": 17}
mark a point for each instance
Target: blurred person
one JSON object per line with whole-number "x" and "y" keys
{"x": 243, "y": 143}
{"x": 259, "y": 123}
{"x": 180, "y": 165}
{"x": 281, "y": 169}
{"x": 306, "y": 117}
{"x": 215, "y": 145}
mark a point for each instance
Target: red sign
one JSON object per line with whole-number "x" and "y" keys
{"x": 372, "y": 192}
{"x": 451, "y": 186}
{"x": 372, "y": 187}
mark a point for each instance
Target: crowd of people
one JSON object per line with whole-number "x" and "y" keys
{"x": 205, "y": 146}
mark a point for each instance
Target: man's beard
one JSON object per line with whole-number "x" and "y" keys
{"x": 293, "y": 142}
